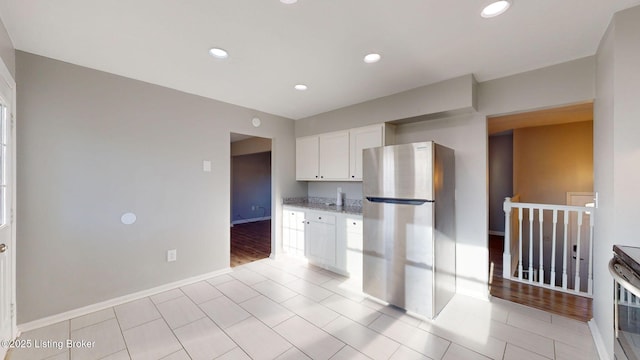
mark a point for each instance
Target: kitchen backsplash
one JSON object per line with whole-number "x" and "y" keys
{"x": 327, "y": 189}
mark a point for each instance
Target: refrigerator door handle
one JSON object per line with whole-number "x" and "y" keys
{"x": 398, "y": 201}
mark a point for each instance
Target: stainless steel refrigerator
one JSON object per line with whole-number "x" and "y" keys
{"x": 409, "y": 246}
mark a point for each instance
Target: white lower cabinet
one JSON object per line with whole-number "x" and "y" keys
{"x": 293, "y": 226}
{"x": 329, "y": 240}
{"x": 321, "y": 238}
{"x": 353, "y": 243}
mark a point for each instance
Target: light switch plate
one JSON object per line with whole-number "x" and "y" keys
{"x": 206, "y": 166}
{"x": 172, "y": 255}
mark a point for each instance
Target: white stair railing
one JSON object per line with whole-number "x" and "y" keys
{"x": 540, "y": 224}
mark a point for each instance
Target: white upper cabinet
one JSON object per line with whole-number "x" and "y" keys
{"x": 307, "y": 158}
{"x": 360, "y": 139}
{"x": 337, "y": 156}
{"x": 334, "y": 156}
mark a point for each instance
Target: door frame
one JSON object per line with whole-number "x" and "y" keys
{"x": 5, "y": 75}
{"x": 275, "y": 214}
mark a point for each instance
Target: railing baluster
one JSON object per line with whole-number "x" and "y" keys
{"x": 577, "y": 277}
{"x": 536, "y": 276}
{"x": 552, "y": 274}
{"x": 564, "y": 250}
{"x": 530, "y": 244}
{"x": 541, "y": 255}
{"x": 520, "y": 269}
{"x": 506, "y": 254}
{"x": 590, "y": 282}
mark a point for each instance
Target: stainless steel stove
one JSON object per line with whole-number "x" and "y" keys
{"x": 625, "y": 269}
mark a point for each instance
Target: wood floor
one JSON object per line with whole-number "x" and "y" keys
{"x": 556, "y": 302}
{"x": 250, "y": 242}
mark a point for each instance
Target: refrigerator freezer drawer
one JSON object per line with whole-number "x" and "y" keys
{"x": 398, "y": 254}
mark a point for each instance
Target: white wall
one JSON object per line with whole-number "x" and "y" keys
{"x": 603, "y": 169}
{"x": 92, "y": 146}
{"x": 329, "y": 189}
{"x": 617, "y": 155}
{"x": 7, "y": 51}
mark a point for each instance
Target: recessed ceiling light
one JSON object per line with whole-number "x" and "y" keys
{"x": 372, "y": 58}
{"x": 288, "y": 1}
{"x": 495, "y": 8}
{"x": 301, "y": 87}
{"x": 218, "y": 53}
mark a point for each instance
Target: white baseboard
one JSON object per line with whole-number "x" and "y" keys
{"x": 67, "y": 315}
{"x": 243, "y": 221}
{"x": 496, "y": 233}
{"x": 597, "y": 339}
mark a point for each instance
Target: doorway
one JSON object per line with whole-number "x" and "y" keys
{"x": 251, "y": 199}
{"x": 537, "y": 157}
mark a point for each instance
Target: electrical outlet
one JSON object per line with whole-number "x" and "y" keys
{"x": 172, "y": 255}
{"x": 253, "y": 208}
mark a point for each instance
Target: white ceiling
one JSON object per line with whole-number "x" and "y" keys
{"x": 320, "y": 43}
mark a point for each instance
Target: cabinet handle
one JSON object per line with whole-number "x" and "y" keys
{"x": 316, "y": 176}
{"x": 353, "y": 176}
{"x": 319, "y": 217}
{"x": 354, "y": 223}
{"x": 321, "y": 177}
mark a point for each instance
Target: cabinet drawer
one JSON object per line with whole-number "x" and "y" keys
{"x": 321, "y": 218}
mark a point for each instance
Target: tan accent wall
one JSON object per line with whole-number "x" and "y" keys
{"x": 549, "y": 161}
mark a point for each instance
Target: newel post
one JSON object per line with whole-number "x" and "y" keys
{"x": 506, "y": 254}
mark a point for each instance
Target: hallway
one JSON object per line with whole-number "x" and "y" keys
{"x": 555, "y": 302}
{"x": 250, "y": 242}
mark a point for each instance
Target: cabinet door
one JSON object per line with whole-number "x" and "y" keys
{"x": 293, "y": 231}
{"x": 360, "y": 139}
{"x": 307, "y": 158}
{"x": 321, "y": 239}
{"x": 334, "y": 156}
{"x": 354, "y": 246}
{"x": 297, "y": 237}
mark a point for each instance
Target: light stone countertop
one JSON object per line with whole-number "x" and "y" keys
{"x": 325, "y": 204}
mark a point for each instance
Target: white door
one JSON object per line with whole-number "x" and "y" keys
{"x": 579, "y": 199}
{"x": 7, "y": 180}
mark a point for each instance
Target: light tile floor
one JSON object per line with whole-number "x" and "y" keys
{"x": 285, "y": 309}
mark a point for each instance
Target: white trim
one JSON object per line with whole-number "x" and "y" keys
{"x": 244, "y": 221}
{"x": 496, "y": 233}
{"x": 67, "y": 315}
{"x": 597, "y": 339}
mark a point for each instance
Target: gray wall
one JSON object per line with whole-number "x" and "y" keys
{"x": 500, "y": 178}
{"x": 616, "y": 155}
{"x": 566, "y": 83}
{"x": 251, "y": 186}
{"x": 7, "y": 51}
{"x": 92, "y": 146}
{"x": 467, "y": 135}
{"x": 446, "y": 96}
